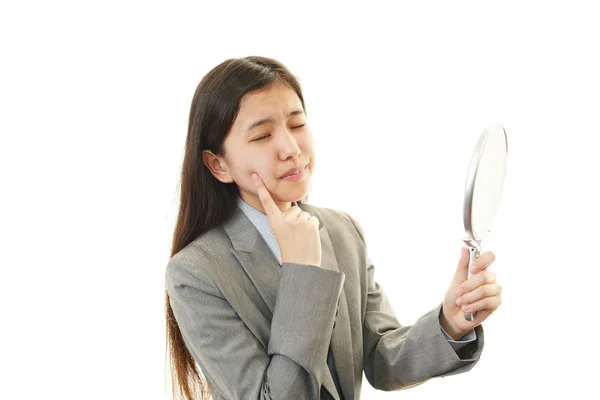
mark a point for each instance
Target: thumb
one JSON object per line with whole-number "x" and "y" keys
{"x": 462, "y": 270}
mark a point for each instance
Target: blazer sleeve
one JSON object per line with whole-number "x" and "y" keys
{"x": 231, "y": 358}
{"x": 401, "y": 356}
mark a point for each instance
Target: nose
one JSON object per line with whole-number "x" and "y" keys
{"x": 288, "y": 146}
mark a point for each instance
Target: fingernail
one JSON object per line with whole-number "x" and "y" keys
{"x": 475, "y": 269}
{"x": 458, "y": 302}
{"x": 254, "y": 177}
{"x": 459, "y": 293}
{"x": 466, "y": 308}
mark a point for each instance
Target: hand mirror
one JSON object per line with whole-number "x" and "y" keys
{"x": 483, "y": 190}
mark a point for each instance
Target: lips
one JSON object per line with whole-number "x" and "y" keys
{"x": 293, "y": 171}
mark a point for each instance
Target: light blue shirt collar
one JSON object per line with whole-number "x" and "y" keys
{"x": 261, "y": 222}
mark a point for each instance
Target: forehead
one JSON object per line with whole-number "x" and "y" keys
{"x": 275, "y": 101}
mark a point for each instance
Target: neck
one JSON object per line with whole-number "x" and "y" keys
{"x": 254, "y": 201}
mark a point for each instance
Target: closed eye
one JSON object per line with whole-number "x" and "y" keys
{"x": 268, "y": 134}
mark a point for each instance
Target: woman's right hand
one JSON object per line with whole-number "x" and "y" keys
{"x": 296, "y": 231}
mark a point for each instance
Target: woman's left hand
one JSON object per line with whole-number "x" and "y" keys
{"x": 479, "y": 293}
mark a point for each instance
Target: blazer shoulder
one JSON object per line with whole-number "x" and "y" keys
{"x": 190, "y": 265}
{"x": 207, "y": 245}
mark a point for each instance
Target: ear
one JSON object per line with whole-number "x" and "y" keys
{"x": 217, "y": 166}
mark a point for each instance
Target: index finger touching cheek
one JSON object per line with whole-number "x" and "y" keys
{"x": 266, "y": 200}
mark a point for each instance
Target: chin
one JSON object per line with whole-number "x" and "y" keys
{"x": 294, "y": 195}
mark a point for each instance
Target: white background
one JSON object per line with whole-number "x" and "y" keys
{"x": 94, "y": 101}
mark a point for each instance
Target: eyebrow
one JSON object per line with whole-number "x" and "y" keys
{"x": 265, "y": 120}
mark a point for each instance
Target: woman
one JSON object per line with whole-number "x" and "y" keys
{"x": 268, "y": 297}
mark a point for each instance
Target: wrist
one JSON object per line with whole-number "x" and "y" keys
{"x": 455, "y": 333}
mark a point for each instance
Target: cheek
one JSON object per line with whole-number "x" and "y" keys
{"x": 260, "y": 165}
{"x": 265, "y": 169}
{"x": 307, "y": 146}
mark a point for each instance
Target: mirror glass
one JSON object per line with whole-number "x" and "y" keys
{"x": 487, "y": 181}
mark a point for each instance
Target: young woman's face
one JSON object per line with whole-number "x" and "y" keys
{"x": 269, "y": 136}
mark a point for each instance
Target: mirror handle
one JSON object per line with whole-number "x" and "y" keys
{"x": 473, "y": 254}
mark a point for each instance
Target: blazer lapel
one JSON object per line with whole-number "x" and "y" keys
{"x": 254, "y": 255}
{"x": 264, "y": 270}
{"x": 341, "y": 339}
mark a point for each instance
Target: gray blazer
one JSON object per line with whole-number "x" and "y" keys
{"x": 261, "y": 330}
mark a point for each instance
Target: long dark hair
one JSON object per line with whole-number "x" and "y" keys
{"x": 205, "y": 202}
